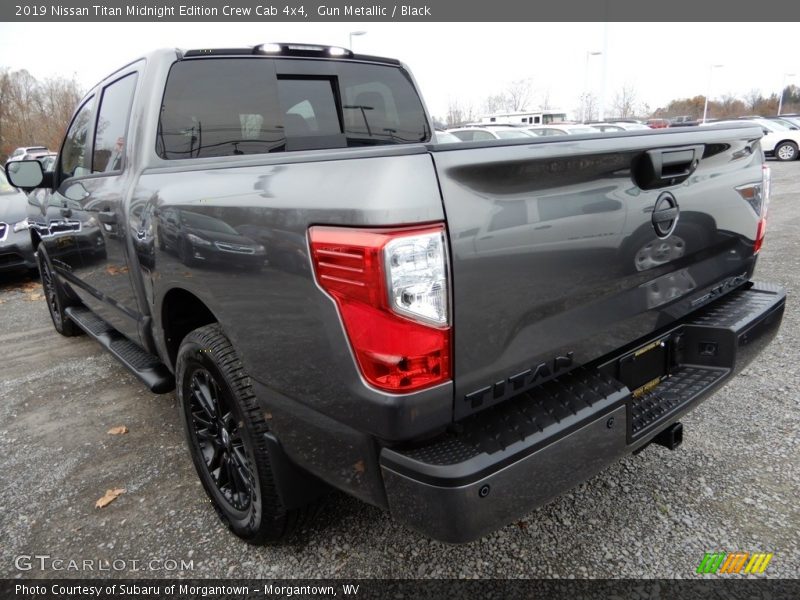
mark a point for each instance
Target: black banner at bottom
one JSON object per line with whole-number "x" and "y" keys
{"x": 433, "y": 589}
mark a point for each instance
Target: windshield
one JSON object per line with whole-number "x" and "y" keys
{"x": 771, "y": 125}
{"x": 445, "y": 137}
{"x": 577, "y": 130}
{"x": 206, "y": 223}
{"x": 5, "y": 187}
{"x": 511, "y": 133}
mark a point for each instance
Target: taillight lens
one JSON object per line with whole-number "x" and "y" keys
{"x": 761, "y": 230}
{"x": 392, "y": 292}
{"x": 757, "y": 196}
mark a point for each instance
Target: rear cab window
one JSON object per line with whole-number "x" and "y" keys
{"x": 254, "y": 105}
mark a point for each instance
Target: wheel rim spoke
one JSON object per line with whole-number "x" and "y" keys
{"x": 242, "y": 469}
{"x": 202, "y": 392}
{"x": 217, "y": 437}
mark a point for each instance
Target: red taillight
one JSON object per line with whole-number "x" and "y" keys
{"x": 395, "y": 352}
{"x": 761, "y": 230}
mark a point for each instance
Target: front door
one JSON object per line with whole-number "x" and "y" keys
{"x": 96, "y": 192}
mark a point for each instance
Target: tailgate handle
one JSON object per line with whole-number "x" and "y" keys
{"x": 665, "y": 166}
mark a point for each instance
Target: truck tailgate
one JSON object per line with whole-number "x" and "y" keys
{"x": 563, "y": 251}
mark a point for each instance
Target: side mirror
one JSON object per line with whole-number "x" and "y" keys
{"x": 25, "y": 174}
{"x": 766, "y": 131}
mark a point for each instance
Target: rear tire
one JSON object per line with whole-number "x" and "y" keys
{"x": 57, "y": 299}
{"x": 185, "y": 253}
{"x": 225, "y": 431}
{"x": 786, "y": 151}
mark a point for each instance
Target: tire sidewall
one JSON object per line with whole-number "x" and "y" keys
{"x": 65, "y": 326}
{"x": 192, "y": 356}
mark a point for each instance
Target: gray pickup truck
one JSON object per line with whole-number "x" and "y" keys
{"x": 456, "y": 333}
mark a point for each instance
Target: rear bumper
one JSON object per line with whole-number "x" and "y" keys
{"x": 509, "y": 459}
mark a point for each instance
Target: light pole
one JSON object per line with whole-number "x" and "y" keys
{"x": 710, "y": 74}
{"x": 589, "y": 54}
{"x": 354, "y": 34}
{"x": 601, "y": 113}
{"x": 783, "y": 87}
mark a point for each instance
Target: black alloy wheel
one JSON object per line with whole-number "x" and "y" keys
{"x": 219, "y": 441}
{"x": 226, "y": 429}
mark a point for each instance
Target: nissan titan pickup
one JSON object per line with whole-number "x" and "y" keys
{"x": 454, "y": 332}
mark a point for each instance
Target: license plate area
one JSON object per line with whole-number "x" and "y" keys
{"x": 644, "y": 368}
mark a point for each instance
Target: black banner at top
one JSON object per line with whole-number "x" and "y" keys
{"x": 401, "y": 11}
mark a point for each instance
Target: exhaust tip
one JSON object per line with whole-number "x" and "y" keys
{"x": 671, "y": 437}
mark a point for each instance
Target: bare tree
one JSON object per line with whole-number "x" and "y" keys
{"x": 34, "y": 112}
{"x": 729, "y": 106}
{"x": 753, "y": 99}
{"x": 459, "y": 113}
{"x": 545, "y": 103}
{"x": 58, "y": 99}
{"x": 625, "y": 101}
{"x": 496, "y": 103}
{"x": 518, "y": 94}
{"x": 4, "y": 92}
{"x": 587, "y": 107}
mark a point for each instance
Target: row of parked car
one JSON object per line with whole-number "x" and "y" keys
{"x": 781, "y": 134}
{"x": 40, "y": 153}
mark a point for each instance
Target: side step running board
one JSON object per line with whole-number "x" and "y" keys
{"x": 148, "y": 368}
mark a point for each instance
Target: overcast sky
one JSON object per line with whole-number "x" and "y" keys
{"x": 465, "y": 61}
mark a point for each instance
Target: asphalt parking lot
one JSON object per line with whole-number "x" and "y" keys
{"x": 732, "y": 485}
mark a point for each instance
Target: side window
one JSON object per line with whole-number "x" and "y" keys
{"x": 220, "y": 107}
{"x": 482, "y": 136}
{"x": 75, "y": 151}
{"x": 112, "y": 124}
{"x": 309, "y": 111}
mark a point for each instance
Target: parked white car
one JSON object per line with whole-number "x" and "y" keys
{"x": 445, "y": 137}
{"x": 28, "y": 153}
{"x": 778, "y": 141}
{"x": 562, "y": 129}
{"x": 481, "y": 134}
{"x": 620, "y": 126}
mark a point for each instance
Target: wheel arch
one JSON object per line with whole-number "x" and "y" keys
{"x": 182, "y": 311}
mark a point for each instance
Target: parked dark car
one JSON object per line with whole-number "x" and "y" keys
{"x": 477, "y": 328}
{"x": 683, "y": 121}
{"x": 198, "y": 238}
{"x": 16, "y": 248}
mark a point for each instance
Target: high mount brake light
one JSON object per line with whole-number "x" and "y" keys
{"x": 392, "y": 292}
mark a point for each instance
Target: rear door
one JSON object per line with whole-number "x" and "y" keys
{"x": 556, "y": 260}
